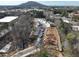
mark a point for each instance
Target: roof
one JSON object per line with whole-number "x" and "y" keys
{"x": 76, "y": 26}
{"x": 42, "y": 21}
{"x": 67, "y": 20}
{"x": 8, "y": 19}
{"x": 6, "y": 47}
{"x": 76, "y": 14}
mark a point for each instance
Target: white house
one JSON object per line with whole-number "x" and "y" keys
{"x": 75, "y": 28}
{"x": 66, "y": 20}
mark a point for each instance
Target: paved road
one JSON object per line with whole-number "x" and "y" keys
{"x": 26, "y": 52}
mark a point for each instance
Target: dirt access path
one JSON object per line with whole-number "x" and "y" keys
{"x": 51, "y": 36}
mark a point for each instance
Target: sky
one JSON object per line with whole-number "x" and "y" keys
{"x": 46, "y": 2}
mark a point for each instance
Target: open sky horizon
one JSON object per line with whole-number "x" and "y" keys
{"x": 49, "y": 3}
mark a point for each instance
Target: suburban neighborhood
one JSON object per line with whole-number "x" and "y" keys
{"x": 35, "y": 30}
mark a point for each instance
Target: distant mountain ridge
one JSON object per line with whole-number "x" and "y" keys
{"x": 27, "y": 5}
{"x": 32, "y": 4}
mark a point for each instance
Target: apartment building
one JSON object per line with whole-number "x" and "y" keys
{"x": 6, "y": 25}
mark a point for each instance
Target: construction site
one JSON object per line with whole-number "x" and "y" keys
{"x": 52, "y": 40}
{"x": 24, "y": 35}
{"x": 49, "y": 39}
